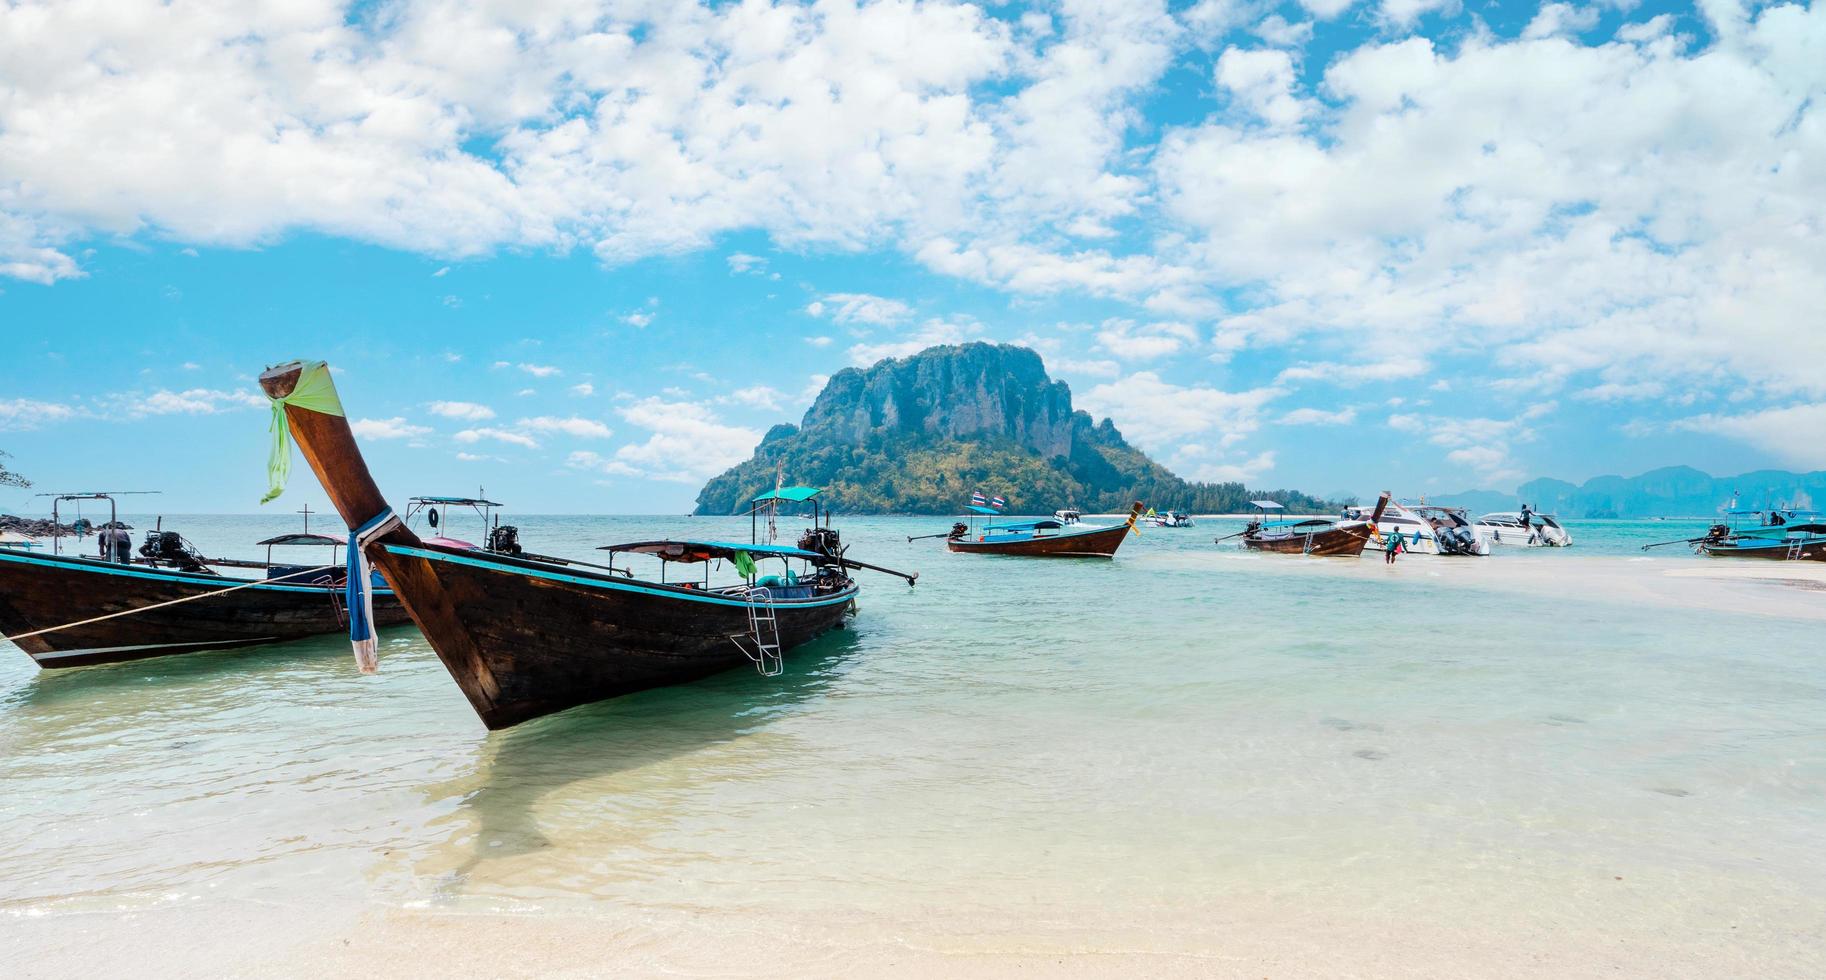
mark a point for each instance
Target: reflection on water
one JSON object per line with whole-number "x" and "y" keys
{"x": 599, "y": 766}
{"x": 1008, "y": 740}
{"x": 175, "y": 675}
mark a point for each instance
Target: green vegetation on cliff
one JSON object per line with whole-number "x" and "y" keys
{"x": 916, "y": 435}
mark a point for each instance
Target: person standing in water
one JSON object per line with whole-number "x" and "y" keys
{"x": 1392, "y": 548}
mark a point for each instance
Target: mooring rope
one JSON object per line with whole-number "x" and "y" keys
{"x": 172, "y": 602}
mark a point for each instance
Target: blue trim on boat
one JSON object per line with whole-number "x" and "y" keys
{"x": 188, "y": 578}
{"x": 687, "y": 595}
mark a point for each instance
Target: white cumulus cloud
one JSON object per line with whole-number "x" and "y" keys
{"x": 393, "y": 428}
{"x": 466, "y": 411}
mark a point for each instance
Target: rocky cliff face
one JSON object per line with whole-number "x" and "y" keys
{"x": 977, "y": 391}
{"x": 918, "y": 434}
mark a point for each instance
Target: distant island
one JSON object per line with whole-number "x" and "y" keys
{"x": 916, "y": 435}
{"x": 1671, "y": 491}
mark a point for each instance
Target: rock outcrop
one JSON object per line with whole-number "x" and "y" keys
{"x": 34, "y": 527}
{"x": 918, "y": 434}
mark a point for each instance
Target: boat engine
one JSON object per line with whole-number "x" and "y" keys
{"x": 171, "y": 548}
{"x": 1455, "y": 541}
{"x": 823, "y": 540}
{"x": 958, "y": 531}
{"x": 505, "y": 540}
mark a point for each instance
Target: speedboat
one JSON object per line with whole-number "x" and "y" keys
{"x": 1428, "y": 529}
{"x": 1453, "y": 532}
{"x": 1532, "y": 530}
{"x": 1171, "y": 518}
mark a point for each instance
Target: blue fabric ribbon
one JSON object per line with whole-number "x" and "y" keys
{"x": 360, "y": 601}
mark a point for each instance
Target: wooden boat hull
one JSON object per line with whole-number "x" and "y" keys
{"x": 1098, "y": 543}
{"x": 1774, "y": 550}
{"x": 524, "y": 639}
{"x": 1331, "y": 542}
{"x": 40, "y": 591}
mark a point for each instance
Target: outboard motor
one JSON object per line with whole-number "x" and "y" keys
{"x": 958, "y": 531}
{"x": 1456, "y": 541}
{"x": 823, "y": 540}
{"x": 171, "y": 548}
{"x": 505, "y": 540}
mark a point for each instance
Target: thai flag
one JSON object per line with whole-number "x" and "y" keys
{"x": 998, "y": 503}
{"x": 978, "y": 499}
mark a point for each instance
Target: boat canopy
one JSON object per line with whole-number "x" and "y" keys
{"x": 456, "y": 501}
{"x": 1267, "y": 504}
{"x": 323, "y": 540}
{"x": 985, "y": 511}
{"x": 1308, "y": 522}
{"x": 795, "y": 495}
{"x": 696, "y": 551}
{"x": 1040, "y": 525}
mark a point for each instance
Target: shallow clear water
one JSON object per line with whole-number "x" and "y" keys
{"x": 1011, "y": 740}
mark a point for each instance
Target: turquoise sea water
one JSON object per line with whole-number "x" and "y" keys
{"x": 1544, "y": 737}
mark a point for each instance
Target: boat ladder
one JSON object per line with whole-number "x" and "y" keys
{"x": 763, "y": 632}
{"x": 1794, "y": 548}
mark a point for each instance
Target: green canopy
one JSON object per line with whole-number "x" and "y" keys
{"x": 792, "y": 494}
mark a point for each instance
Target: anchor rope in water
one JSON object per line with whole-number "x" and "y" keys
{"x": 171, "y": 602}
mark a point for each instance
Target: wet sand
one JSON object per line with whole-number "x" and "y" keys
{"x": 1245, "y": 937}
{"x": 1784, "y": 589}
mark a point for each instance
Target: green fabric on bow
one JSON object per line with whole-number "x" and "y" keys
{"x": 315, "y": 391}
{"x": 744, "y": 563}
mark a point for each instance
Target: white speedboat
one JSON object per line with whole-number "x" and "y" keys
{"x": 1531, "y": 530}
{"x": 1453, "y": 532}
{"x": 1171, "y": 518}
{"x": 1428, "y": 529}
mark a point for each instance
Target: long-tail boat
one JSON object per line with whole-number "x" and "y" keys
{"x": 1044, "y": 538}
{"x": 77, "y": 610}
{"x": 1318, "y": 536}
{"x": 528, "y": 636}
{"x": 1778, "y": 535}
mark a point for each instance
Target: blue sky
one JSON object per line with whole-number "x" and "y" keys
{"x": 584, "y": 254}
